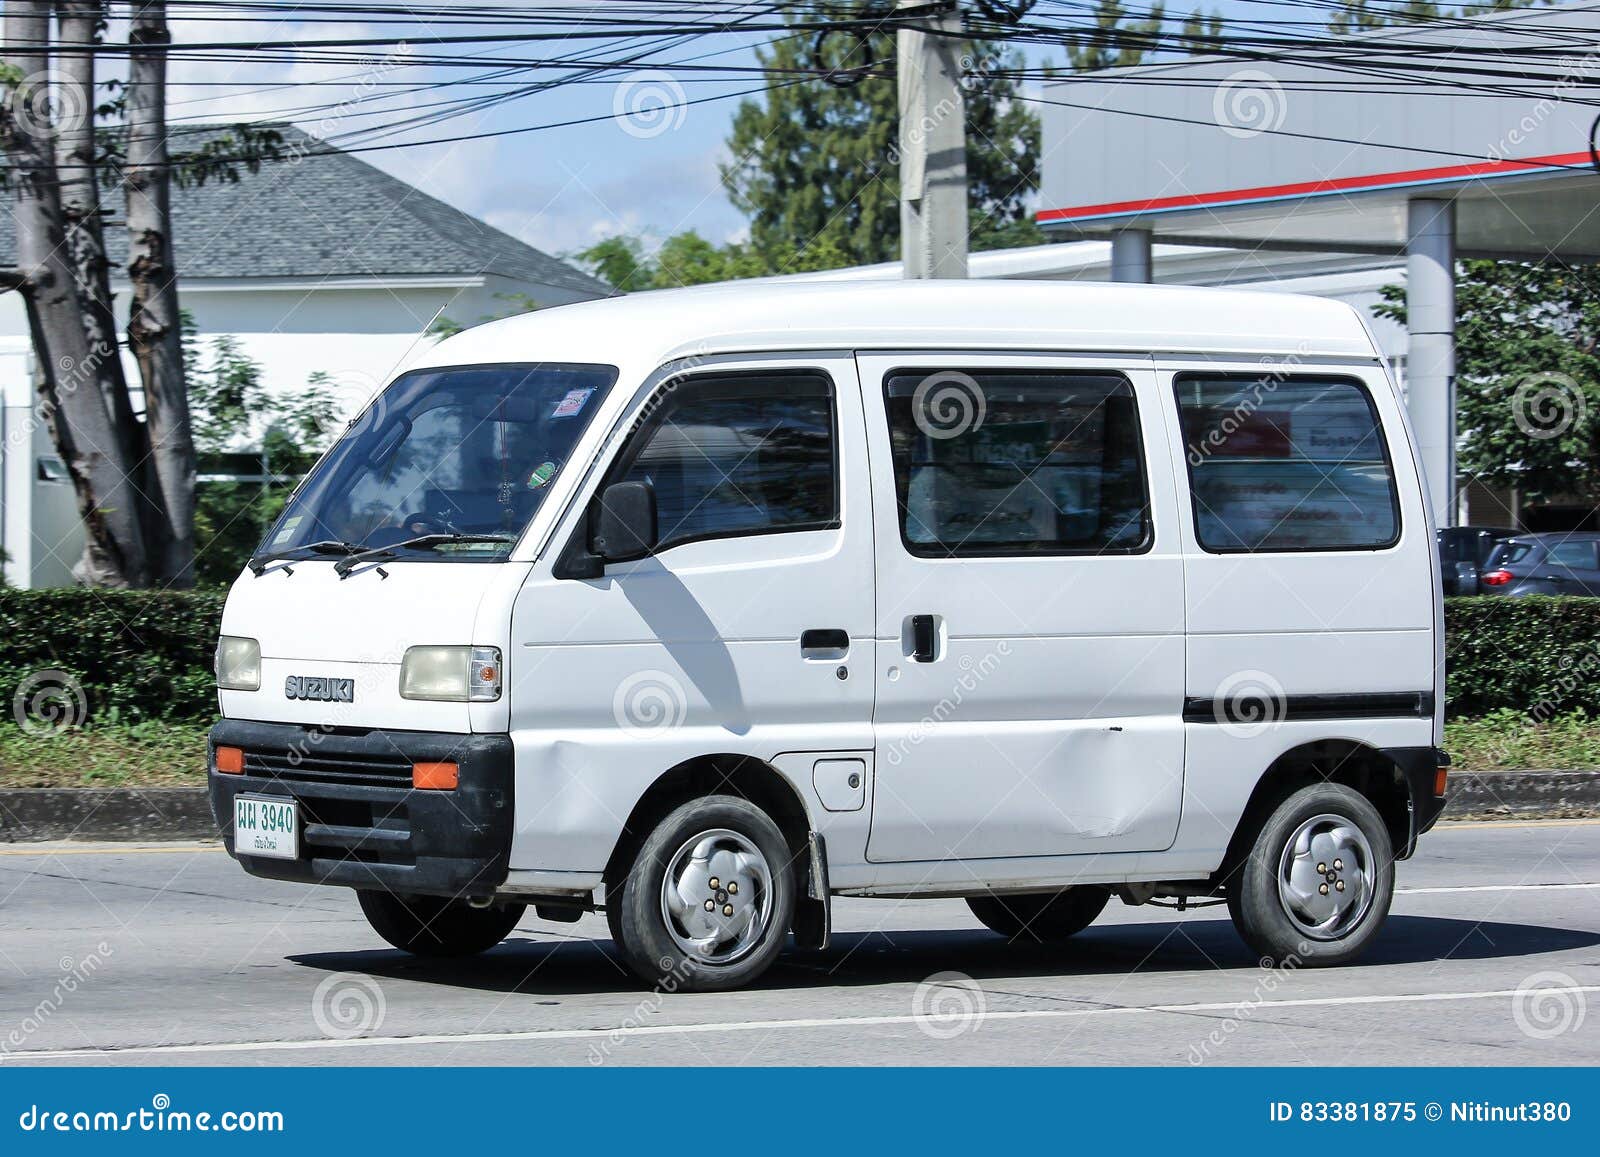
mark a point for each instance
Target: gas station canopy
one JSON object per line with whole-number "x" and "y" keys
{"x": 1494, "y": 113}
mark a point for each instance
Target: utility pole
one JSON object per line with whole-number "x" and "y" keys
{"x": 933, "y": 142}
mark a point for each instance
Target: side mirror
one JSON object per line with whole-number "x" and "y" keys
{"x": 625, "y": 524}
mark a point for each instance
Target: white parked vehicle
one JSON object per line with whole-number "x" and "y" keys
{"x": 704, "y": 607}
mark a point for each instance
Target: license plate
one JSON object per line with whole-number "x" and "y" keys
{"x": 266, "y": 826}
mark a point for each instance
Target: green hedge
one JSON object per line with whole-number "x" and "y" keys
{"x": 147, "y": 654}
{"x": 1538, "y": 655}
{"x": 135, "y": 654}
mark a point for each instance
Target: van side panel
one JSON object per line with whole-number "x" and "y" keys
{"x": 1288, "y": 647}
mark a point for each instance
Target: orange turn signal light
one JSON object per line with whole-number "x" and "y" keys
{"x": 230, "y": 760}
{"x": 1439, "y": 780}
{"x": 435, "y": 776}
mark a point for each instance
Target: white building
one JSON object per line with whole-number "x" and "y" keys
{"x": 319, "y": 264}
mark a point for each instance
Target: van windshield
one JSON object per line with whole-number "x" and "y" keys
{"x": 467, "y": 450}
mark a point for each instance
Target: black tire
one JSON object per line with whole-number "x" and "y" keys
{"x": 1264, "y": 918}
{"x": 1041, "y": 919}
{"x": 640, "y": 924}
{"x": 434, "y": 926}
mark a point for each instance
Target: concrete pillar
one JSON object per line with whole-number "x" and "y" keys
{"x": 933, "y": 148}
{"x": 1130, "y": 256}
{"x": 1431, "y": 353}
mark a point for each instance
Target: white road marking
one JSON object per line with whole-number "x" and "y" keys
{"x": 1491, "y": 888}
{"x": 622, "y": 1032}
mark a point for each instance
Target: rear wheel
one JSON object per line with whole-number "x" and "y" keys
{"x": 1041, "y": 919}
{"x": 1318, "y": 881}
{"x": 434, "y": 926}
{"x": 709, "y": 899}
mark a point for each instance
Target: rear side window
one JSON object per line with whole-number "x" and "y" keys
{"x": 1286, "y": 464}
{"x": 1575, "y": 554}
{"x": 730, "y": 455}
{"x": 1017, "y": 463}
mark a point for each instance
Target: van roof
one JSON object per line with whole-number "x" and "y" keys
{"x": 640, "y": 331}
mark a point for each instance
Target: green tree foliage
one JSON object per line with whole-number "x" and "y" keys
{"x": 241, "y": 427}
{"x": 1117, "y": 41}
{"x": 1363, "y": 15}
{"x": 814, "y": 165}
{"x": 1527, "y": 374}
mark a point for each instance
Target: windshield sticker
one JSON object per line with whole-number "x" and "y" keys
{"x": 541, "y": 475}
{"x": 572, "y": 404}
{"x": 290, "y": 525}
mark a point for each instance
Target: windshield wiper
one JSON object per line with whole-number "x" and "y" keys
{"x": 258, "y": 563}
{"x": 422, "y": 542}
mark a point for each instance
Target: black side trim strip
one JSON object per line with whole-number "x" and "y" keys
{"x": 1267, "y": 708}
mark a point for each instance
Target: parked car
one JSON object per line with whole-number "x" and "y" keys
{"x": 1565, "y": 563}
{"x": 704, "y": 607}
{"x": 1464, "y": 552}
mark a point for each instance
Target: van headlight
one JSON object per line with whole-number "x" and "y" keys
{"x": 238, "y": 664}
{"x": 451, "y": 674}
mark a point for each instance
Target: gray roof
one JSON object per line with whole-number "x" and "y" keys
{"x": 328, "y": 214}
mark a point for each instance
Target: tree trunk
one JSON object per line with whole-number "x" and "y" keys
{"x": 68, "y": 363}
{"x": 77, "y": 161}
{"x": 153, "y": 326}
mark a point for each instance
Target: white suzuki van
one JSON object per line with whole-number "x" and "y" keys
{"x": 704, "y": 607}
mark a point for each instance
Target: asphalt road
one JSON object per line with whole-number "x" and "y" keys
{"x": 172, "y": 955}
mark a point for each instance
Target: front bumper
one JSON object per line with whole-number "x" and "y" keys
{"x": 363, "y": 825}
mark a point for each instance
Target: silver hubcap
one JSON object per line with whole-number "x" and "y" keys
{"x": 1326, "y": 877}
{"x": 717, "y": 896}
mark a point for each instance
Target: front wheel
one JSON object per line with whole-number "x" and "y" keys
{"x": 709, "y": 899}
{"x": 1318, "y": 881}
{"x": 434, "y": 926}
{"x": 1036, "y": 919}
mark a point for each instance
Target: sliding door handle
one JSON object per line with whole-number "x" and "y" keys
{"x": 924, "y": 638}
{"x": 824, "y": 643}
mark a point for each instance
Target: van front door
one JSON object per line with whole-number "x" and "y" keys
{"x": 747, "y": 632}
{"x": 1029, "y": 609}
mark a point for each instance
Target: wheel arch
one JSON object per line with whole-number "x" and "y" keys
{"x": 745, "y": 776}
{"x": 1363, "y": 768}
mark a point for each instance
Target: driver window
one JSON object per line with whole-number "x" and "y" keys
{"x": 733, "y": 455}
